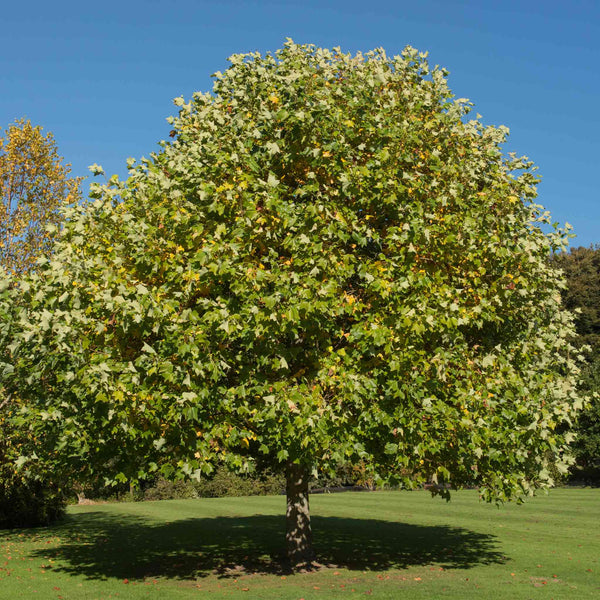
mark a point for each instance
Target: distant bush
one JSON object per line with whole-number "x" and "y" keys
{"x": 226, "y": 483}
{"x": 222, "y": 483}
{"x": 163, "y": 489}
{"x": 346, "y": 476}
{"x": 586, "y": 475}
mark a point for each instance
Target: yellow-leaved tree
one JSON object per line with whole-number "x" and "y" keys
{"x": 34, "y": 182}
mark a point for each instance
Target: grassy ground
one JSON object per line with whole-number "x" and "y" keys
{"x": 381, "y": 545}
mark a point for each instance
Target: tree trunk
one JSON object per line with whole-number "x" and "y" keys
{"x": 298, "y": 535}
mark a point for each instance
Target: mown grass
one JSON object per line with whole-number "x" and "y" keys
{"x": 381, "y": 545}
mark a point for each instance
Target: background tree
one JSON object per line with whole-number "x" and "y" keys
{"x": 581, "y": 267}
{"x": 327, "y": 264}
{"x": 33, "y": 184}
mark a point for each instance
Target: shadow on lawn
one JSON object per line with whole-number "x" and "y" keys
{"x": 100, "y": 546}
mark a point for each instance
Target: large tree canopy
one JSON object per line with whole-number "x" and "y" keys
{"x": 327, "y": 263}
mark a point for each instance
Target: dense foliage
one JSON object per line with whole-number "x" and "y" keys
{"x": 326, "y": 264}
{"x": 34, "y": 184}
{"x": 32, "y": 496}
{"x": 26, "y": 501}
{"x": 582, "y": 294}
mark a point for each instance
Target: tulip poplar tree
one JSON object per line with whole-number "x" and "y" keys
{"x": 327, "y": 263}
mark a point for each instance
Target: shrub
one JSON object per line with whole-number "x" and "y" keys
{"x": 29, "y": 503}
{"x": 222, "y": 483}
{"x": 170, "y": 490}
{"x": 226, "y": 483}
{"x": 26, "y": 499}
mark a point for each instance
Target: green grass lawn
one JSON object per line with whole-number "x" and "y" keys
{"x": 380, "y": 545}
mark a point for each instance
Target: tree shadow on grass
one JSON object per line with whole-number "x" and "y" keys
{"x": 100, "y": 545}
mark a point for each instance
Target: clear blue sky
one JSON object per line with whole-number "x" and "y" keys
{"x": 101, "y": 76}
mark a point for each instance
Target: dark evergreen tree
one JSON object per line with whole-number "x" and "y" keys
{"x": 582, "y": 270}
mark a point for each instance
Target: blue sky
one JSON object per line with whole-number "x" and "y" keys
{"x": 102, "y": 76}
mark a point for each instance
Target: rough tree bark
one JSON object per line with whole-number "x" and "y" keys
{"x": 298, "y": 535}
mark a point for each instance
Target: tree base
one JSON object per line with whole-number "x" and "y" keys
{"x": 298, "y": 537}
